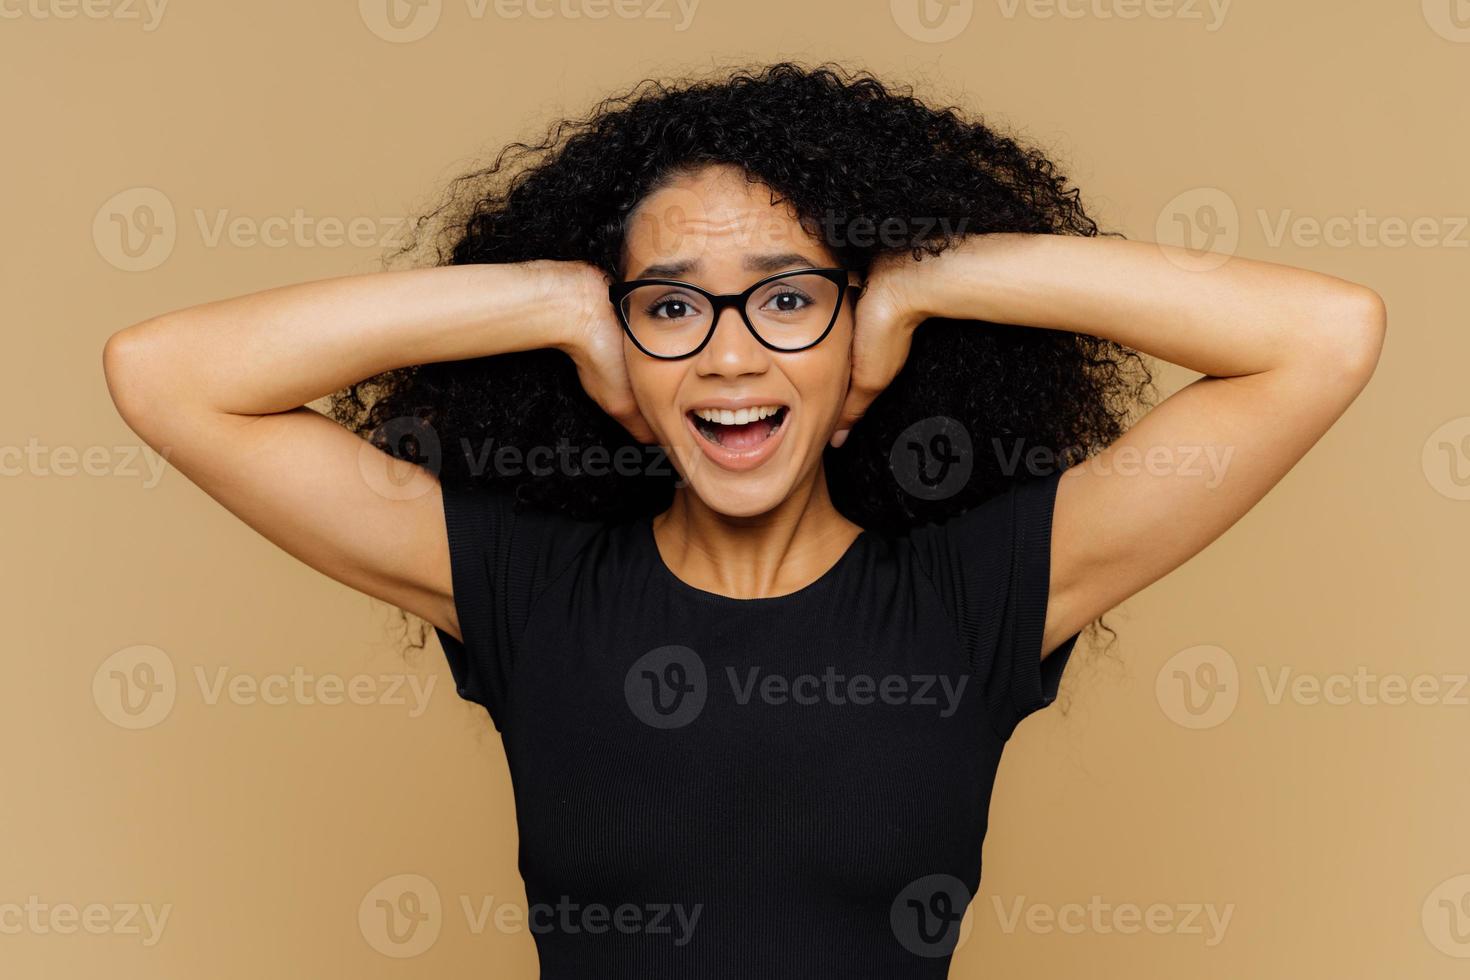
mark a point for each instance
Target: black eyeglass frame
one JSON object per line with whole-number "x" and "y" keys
{"x": 618, "y": 290}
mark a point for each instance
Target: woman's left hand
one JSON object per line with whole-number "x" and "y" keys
{"x": 883, "y": 329}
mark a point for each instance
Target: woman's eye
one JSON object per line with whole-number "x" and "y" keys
{"x": 671, "y": 308}
{"x": 787, "y": 301}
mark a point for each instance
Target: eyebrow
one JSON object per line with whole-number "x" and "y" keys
{"x": 773, "y": 262}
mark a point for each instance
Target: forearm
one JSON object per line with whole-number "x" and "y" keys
{"x": 278, "y": 349}
{"x": 1243, "y": 317}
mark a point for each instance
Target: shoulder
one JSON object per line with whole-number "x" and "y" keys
{"x": 985, "y": 560}
{"x": 1025, "y": 505}
{"x": 491, "y": 522}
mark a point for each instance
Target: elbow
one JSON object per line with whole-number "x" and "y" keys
{"x": 1352, "y": 329}
{"x": 1361, "y": 326}
{"x": 127, "y": 359}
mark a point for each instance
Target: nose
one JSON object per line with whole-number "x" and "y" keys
{"x": 732, "y": 351}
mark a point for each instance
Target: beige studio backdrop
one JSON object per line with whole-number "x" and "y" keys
{"x": 218, "y": 763}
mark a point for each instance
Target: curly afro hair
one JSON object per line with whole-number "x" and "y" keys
{"x": 853, "y": 157}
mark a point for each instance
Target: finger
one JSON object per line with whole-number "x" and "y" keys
{"x": 874, "y": 368}
{"x": 627, "y": 415}
{"x": 853, "y": 409}
{"x": 639, "y": 428}
{"x": 625, "y": 412}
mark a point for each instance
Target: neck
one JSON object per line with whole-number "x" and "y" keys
{"x": 770, "y": 554}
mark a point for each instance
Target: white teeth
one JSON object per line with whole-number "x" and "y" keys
{"x": 724, "y": 416}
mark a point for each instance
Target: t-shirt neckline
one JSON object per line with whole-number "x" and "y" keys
{"x": 661, "y": 568}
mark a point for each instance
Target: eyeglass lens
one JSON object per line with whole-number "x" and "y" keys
{"x": 788, "y": 313}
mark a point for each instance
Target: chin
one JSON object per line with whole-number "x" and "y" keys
{"x": 740, "y": 496}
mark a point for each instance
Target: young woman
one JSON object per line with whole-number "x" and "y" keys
{"x": 774, "y": 451}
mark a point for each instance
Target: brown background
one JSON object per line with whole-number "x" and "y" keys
{"x": 1332, "y": 833}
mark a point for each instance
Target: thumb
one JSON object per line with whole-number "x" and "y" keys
{"x": 878, "y": 356}
{"x": 853, "y": 408}
{"x": 639, "y": 429}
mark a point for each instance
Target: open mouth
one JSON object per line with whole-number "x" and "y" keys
{"x": 741, "y": 429}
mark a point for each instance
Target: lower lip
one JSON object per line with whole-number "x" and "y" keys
{"x": 739, "y": 460}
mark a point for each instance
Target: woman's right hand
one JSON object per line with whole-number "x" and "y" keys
{"x": 594, "y": 341}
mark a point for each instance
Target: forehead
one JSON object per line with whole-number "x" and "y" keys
{"x": 717, "y": 218}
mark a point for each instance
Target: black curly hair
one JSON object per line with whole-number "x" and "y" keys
{"x": 868, "y": 166}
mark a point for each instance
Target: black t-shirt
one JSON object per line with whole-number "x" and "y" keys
{"x": 711, "y": 787}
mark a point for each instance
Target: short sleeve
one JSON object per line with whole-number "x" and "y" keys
{"x": 992, "y": 567}
{"x": 500, "y": 560}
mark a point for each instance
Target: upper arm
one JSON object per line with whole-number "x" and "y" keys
{"x": 1195, "y": 465}
{"x": 317, "y": 490}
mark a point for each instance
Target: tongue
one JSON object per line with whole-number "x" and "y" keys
{"x": 743, "y": 436}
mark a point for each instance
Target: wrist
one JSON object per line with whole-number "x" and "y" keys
{"x": 897, "y": 285}
{"x": 976, "y": 279}
{"x": 565, "y": 296}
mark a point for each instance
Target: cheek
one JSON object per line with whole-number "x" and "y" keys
{"x": 655, "y": 387}
{"x": 823, "y": 381}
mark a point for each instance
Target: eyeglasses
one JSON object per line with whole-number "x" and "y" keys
{"x": 790, "y": 311}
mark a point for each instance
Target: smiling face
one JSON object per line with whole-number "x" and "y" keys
{"x": 745, "y": 425}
